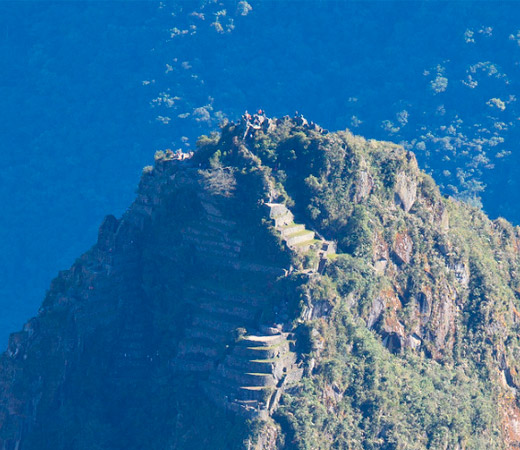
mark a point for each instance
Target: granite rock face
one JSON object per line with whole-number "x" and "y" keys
{"x": 406, "y": 191}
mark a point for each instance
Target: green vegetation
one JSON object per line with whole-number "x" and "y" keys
{"x": 408, "y": 337}
{"x": 410, "y": 354}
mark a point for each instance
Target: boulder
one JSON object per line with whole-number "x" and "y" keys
{"x": 380, "y": 253}
{"x": 364, "y": 186}
{"x": 405, "y": 191}
{"x": 403, "y": 247}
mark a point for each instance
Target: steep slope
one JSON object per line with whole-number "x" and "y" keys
{"x": 282, "y": 287}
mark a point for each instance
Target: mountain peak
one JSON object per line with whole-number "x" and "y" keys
{"x": 283, "y": 286}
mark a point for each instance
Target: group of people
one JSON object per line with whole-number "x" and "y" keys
{"x": 178, "y": 154}
{"x": 260, "y": 121}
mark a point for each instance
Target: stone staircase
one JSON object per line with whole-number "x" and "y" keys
{"x": 216, "y": 313}
{"x": 297, "y": 237}
{"x": 253, "y": 375}
{"x": 245, "y": 374}
{"x": 257, "y": 368}
{"x": 224, "y": 296}
{"x": 213, "y": 235}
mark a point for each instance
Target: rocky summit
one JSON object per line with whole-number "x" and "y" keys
{"x": 282, "y": 287}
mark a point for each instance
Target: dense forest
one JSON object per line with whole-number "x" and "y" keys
{"x": 91, "y": 89}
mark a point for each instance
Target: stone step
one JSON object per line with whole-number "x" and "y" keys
{"x": 224, "y": 384}
{"x": 277, "y": 210}
{"x": 210, "y": 234}
{"x": 283, "y": 221}
{"x": 246, "y": 378}
{"x": 262, "y": 340}
{"x": 245, "y": 365}
{"x": 262, "y": 352}
{"x": 279, "y": 366}
{"x": 204, "y": 347}
{"x": 236, "y": 263}
{"x": 255, "y": 268}
{"x": 300, "y": 237}
{"x": 202, "y": 231}
{"x": 210, "y": 246}
{"x": 225, "y": 295}
{"x": 201, "y": 234}
{"x": 260, "y": 393}
{"x": 211, "y": 255}
{"x": 219, "y": 229}
{"x": 216, "y": 336}
{"x": 211, "y": 209}
{"x": 231, "y": 311}
{"x": 280, "y": 214}
{"x": 291, "y": 229}
{"x": 220, "y": 222}
{"x": 251, "y": 365}
{"x": 303, "y": 247}
{"x": 249, "y": 403}
{"x": 225, "y": 396}
{"x": 228, "y": 387}
{"x": 258, "y": 411}
{"x": 214, "y": 322}
{"x": 192, "y": 364}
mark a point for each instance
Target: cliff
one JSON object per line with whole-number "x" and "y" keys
{"x": 282, "y": 287}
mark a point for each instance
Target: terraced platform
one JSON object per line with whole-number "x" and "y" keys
{"x": 295, "y": 235}
{"x": 241, "y": 362}
{"x": 252, "y": 376}
{"x": 222, "y": 298}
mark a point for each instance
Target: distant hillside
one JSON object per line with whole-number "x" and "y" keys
{"x": 284, "y": 287}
